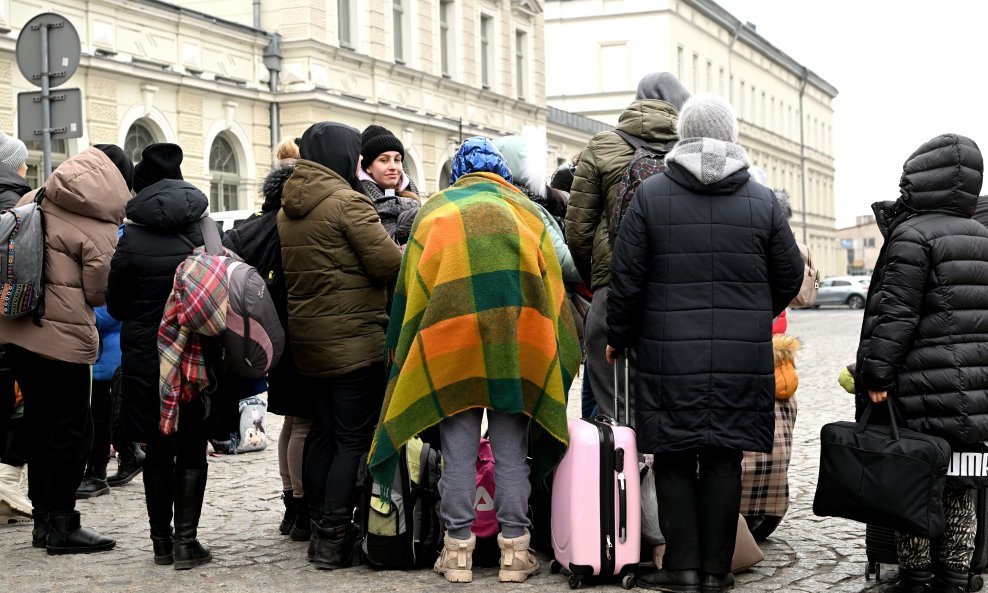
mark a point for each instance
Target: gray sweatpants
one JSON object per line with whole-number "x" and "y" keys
{"x": 602, "y": 374}
{"x": 460, "y": 435}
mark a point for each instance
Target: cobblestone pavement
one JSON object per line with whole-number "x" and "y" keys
{"x": 243, "y": 507}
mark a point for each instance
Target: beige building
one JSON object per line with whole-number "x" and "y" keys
{"x": 217, "y": 76}
{"x": 598, "y": 50}
{"x": 861, "y": 244}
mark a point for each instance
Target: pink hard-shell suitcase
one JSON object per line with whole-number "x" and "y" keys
{"x": 596, "y": 500}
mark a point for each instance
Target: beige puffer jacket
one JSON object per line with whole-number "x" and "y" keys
{"x": 338, "y": 261}
{"x": 596, "y": 180}
{"x": 84, "y": 204}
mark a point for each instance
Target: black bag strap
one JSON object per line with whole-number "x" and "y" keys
{"x": 863, "y": 420}
{"x": 637, "y": 142}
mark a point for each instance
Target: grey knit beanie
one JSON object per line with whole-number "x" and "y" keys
{"x": 13, "y": 153}
{"x": 708, "y": 115}
{"x": 664, "y": 87}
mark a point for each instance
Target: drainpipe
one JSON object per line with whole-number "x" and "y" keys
{"x": 730, "y": 52}
{"x": 272, "y": 61}
{"x": 257, "y": 14}
{"x": 802, "y": 150}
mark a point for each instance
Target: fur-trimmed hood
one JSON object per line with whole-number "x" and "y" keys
{"x": 273, "y": 185}
{"x": 785, "y": 347}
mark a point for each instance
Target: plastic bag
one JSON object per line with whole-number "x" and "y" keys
{"x": 651, "y": 532}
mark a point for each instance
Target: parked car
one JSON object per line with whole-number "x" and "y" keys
{"x": 843, "y": 290}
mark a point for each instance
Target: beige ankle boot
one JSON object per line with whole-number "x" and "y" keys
{"x": 517, "y": 563}
{"x": 455, "y": 562}
{"x": 10, "y": 490}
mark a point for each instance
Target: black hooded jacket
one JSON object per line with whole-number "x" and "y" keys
{"x": 12, "y": 187}
{"x": 699, "y": 272}
{"x": 926, "y": 322}
{"x": 161, "y": 231}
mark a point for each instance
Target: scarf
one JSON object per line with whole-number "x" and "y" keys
{"x": 196, "y": 307}
{"x": 707, "y": 159}
{"x": 480, "y": 320}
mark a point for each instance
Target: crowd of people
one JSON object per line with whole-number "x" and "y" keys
{"x": 410, "y": 315}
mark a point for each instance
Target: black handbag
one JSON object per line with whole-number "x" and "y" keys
{"x": 882, "y": 475}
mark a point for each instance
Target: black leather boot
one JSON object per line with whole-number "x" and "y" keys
{"x": 129, "y": 464}
{"x": 716, "y": 583}
{"x": 159, "y": 488}
{"x": 672, "y": 581}
{"x": 67, "y": 536}
{"x": 190, "y": 488}
{"x": 93, "y": 484}
{"x": 911, "y": 581}
{"x": 300, "y": 530}
{"x": 948, "y": 581}
{"x": 291, "y": 512}
{"x": 333, "y": 546}
{"x": 39, "y": 535}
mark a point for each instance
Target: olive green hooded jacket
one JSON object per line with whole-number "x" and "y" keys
{"x": 596, "y": 180}
{"x": 338, "y": 260}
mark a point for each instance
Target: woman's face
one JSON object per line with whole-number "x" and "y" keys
{"x": 386, "y": 170}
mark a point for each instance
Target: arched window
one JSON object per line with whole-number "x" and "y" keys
{"x": 224, "y": 176}
{"x": 139, "y": 136}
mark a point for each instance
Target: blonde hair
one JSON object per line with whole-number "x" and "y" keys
{"x": 286, "y": 149}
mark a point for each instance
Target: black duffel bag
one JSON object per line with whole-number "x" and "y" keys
{"x": 882, "y": 475}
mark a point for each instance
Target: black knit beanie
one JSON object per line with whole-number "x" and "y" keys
{"x": 158, "y": 161}
{"x": 377, "y": 140}
{"x": 119, "y": 158}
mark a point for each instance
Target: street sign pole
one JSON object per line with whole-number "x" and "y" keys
{"x": 48, "y": 54}
{"x": 45, "y": 103}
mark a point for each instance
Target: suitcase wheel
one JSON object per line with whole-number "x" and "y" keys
{"x": 629, "y": 581}
{"x": 575, "y": 581}
{"x": 555, "y": 567}
{"x": 976, "y": 583}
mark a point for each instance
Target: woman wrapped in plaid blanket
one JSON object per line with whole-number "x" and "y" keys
{"x": 480, "y": 322}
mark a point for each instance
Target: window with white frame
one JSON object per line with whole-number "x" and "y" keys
{"x": 35, "y": 177}
{"x": 139, "y": 136}
{"x": 224, "y": 176}
{"x": 401, "y": 32}
{"x": 521, "y": 63}
{"x": 486, "y": 51}
{"x": 344, "y": 16}
{"x": 445, "y": 37}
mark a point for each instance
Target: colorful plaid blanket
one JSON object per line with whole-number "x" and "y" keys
{"x": 480, "y": 320}
{"x": 196, "y": 307}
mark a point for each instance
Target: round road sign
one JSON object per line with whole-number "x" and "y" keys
{"x": 63, "y": 49}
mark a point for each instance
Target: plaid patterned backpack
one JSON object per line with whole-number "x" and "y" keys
{"x": 646, "y": 162}
{"x": 22, "y": 260}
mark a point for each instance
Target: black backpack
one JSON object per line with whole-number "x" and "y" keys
{"x": 646, "y": 162}
{"x": 408, "y": 532}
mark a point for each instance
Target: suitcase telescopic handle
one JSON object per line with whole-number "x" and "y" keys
{"x": 627, "y": 399}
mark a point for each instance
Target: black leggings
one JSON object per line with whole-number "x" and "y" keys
{"x": 347, "y": 409}
{"x": 186, "y": 447}
{"x": 58, "y": 424}
{"x": 704, "y": 488}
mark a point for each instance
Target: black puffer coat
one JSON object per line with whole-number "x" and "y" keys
{"x": 256, "y": 241}
{"x": 925, "y": 328}
{"x": 698, "y": 274}
{"x": 141, "y": 278}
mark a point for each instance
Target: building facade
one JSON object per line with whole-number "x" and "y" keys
{"x": 598, "y": 50}
{"x": 217, "y": 76}
{"x": 861, "y": 244}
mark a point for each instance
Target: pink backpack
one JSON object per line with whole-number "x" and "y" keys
{"x": 485, "y": 525}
